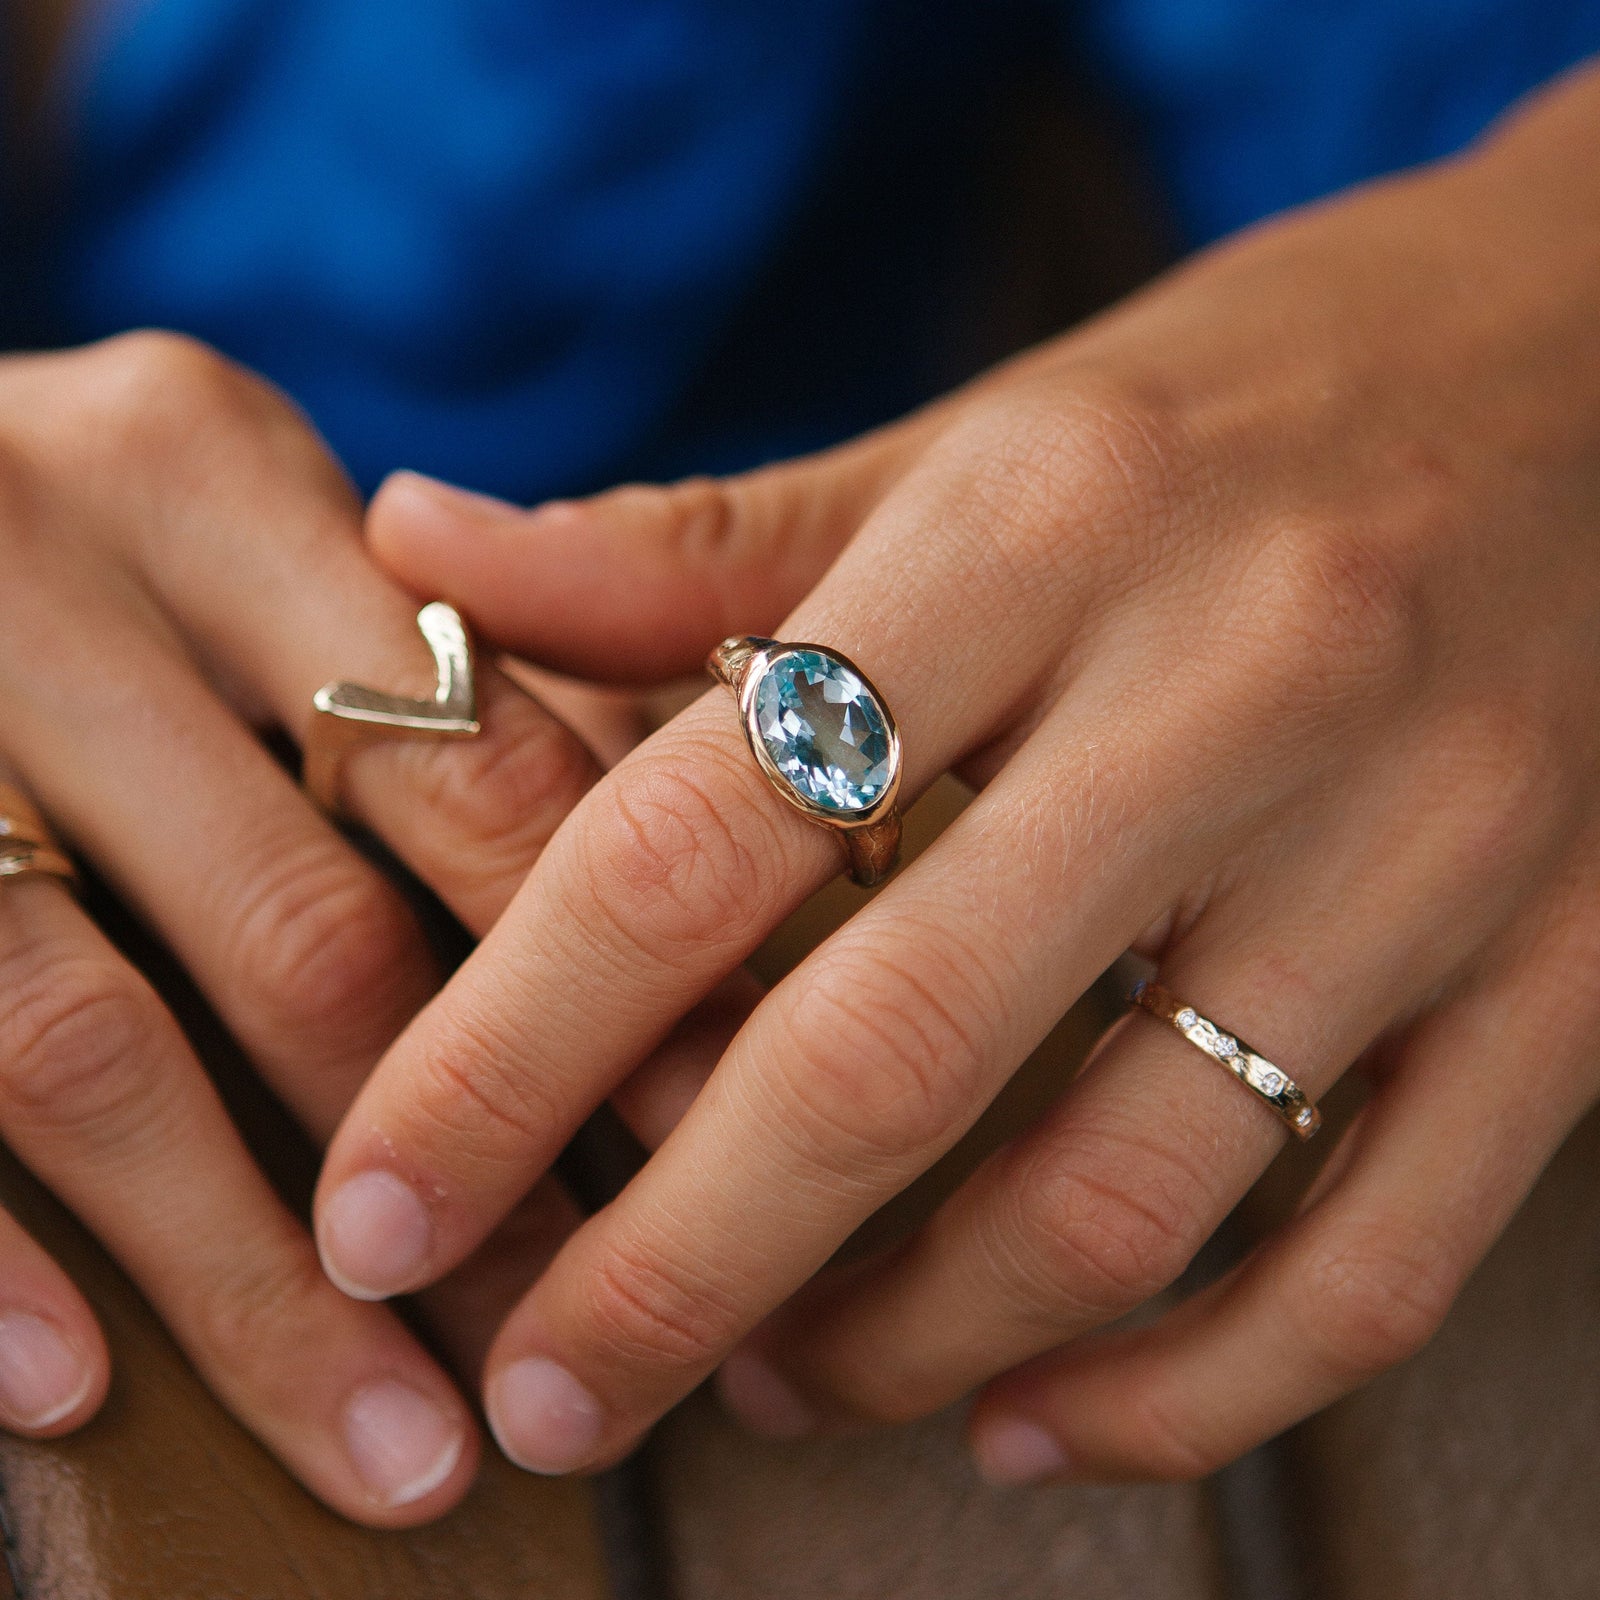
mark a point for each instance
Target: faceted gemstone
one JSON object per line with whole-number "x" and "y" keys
{"x": 823, "y": 728}
{"x": 1271, "y": 1082}
{"x": 1187, "y": 1018}
{"x": 1227, "y": 1046}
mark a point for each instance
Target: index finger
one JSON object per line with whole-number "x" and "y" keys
{"x": 665, "y": 877}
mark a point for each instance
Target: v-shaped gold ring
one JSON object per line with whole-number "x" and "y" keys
{"x": 345, "y": 715}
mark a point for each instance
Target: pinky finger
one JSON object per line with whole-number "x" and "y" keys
{"x": 54, "y": 1369}
{"x": 1427, "y": 1178}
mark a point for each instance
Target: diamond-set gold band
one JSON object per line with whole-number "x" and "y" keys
{"x": 27, "y": 846}
{"x": 1269, "y": 1083}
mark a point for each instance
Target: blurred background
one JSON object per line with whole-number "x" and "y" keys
{"x": 538, "y": 247}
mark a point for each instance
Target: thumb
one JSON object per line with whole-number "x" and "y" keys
{"x": 637, "y": 584}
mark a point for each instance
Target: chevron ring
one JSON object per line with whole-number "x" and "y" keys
{"x": 348, "y": 715}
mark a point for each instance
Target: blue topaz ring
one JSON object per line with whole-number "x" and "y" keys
{"x": 824, "y": 738}
{"x": 1268, "y": 1083}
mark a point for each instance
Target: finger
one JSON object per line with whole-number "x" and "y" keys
{"x": 308, "y": 953}
{"x": 637, "y": 584}
{"x": 656, "y": 1098}
{"x": 659, "y": 885}
{"x": 1435, "y": 1168}
{"x": 54, "y": 1367}
{"x": 875, "y": 1056}
{"x": 1316, "y": 952}
{"x": 300, "y": 604}
{"x": 101, "y": 1097}
{"x": 467, "y": 1307}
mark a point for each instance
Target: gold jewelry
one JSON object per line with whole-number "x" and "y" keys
{"x": 346, "y": 715}
{"x": 824, "y": 739}
{"x": 1267, "y": 1082}
{"x": 27, "y": 845}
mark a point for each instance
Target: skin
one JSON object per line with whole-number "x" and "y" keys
{"x": 184, "y": 566}
{"x": 1264, "y": 613}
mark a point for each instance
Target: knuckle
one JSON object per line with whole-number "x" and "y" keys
{"x": 1167, "y": 1440}
{"x": 1340, "y": 611}
{"x": 707, "y": 523}
{"x": 1101, "y": 1236}
{"x": 166, "y": 400}
{"x": 885, "y": 1058}
{"x": 478, "y": 1096}
{"x": 704, "y": 526}
{"x": 325, "y": 949}
{"x": 731, "y": 529}
{"x": 78, "y": 1046}
{"x": 1370, "y": 1306}
{"x": 647, "y": 1316}
{"x": 1509, "y": 788}
{"x": 152, "y": 377}
{"x": 243, "y": 1317}
{"x": 502, "y": 794}
{"x": 1101, "y": 461}
{"x": 684, "y": 859}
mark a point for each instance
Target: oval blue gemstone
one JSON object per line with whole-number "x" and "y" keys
{"x": 824, "y": 729}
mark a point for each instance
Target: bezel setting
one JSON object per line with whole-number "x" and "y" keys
{"x": 762, "y": 660}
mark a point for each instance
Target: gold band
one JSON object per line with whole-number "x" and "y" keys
{"x": 27, "y": 846}
{"x": 1268, "y": 1083}
{"x": 846, "y": 775}
{"x": 347, "y": 715}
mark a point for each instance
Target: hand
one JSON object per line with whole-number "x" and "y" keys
{"x": 183, "y": 561}
{"x": 1265, "y": 614}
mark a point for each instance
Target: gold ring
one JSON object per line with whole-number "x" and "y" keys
{"x": 346, "y": 715}
{"x": 1267, "y": 1082}
{"x": 825, "y": 740}
{"x": 27, "y": 845}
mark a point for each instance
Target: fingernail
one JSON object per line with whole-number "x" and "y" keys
{"x": 374, "y": 1235}
{"x": 543, "y": 1418}
{"x": 1010, "y": 1452}
{"x": 761, "y": 1399}
{"x": 403, "y": 1444}
{"x": 436, "y": 495}
{"x": 42, "y": 1378}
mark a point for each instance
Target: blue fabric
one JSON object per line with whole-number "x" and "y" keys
{"x": 1254, "y": 105}
{"x": 496, "y": 239}
{"x": 485, "y": 237}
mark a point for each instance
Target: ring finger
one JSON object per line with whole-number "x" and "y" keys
{"x": 1421, "y": 1185}
{"x": 1314, "y": 955}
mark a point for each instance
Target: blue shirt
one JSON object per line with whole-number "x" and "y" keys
{"x": 499, "y": 240}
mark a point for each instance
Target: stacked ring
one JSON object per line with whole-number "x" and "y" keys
{"x": 27, "y": 845}
{"x": 1268, "y": 1083}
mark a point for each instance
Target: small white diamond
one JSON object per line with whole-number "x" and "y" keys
{"x": 1271, "y": 1082}
{"x": 1186, "y": 1018}
{"x": 1303, "y": 1117}
{"x": 1226, "y": 1046}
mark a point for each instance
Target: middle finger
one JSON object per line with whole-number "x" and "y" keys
{"x": 664, "y": 879}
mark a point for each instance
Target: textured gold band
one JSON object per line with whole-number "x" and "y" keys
{"x": 27, "y": 846}
{"x": 347, "y": 715}
{"x": 1268, "y": 1083}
